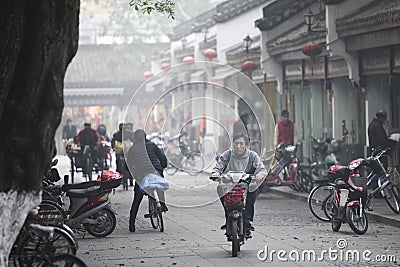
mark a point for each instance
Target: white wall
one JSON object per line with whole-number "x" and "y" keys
{"x": 345, "y": 105}
{"x": 232, "y": 32}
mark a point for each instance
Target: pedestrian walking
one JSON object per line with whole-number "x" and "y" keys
{"x": 377, "y": 135}
{"x": 285, "y": 131}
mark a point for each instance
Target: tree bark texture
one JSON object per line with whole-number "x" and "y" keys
{"x": 38, "y": 39}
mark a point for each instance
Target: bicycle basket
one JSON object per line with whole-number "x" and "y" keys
{"x": 395, "y": 178}
{"x": 235, "y": 195}
{"x": 73, "y": 149}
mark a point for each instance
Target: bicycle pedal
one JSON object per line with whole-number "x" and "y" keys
{"x": 147, "y": 216}
{"x": 248, "y": 236}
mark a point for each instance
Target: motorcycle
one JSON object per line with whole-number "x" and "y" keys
{"x": 320, "y": 151}
{"x": 349, "y": 197}
{"x": 286, "y": 172}
{"x": 235, "y": 186}
{"x": 51, "y": 191}
{"x": 90, "y": 208}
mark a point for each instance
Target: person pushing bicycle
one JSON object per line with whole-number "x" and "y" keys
{"x": 144, "y": 157}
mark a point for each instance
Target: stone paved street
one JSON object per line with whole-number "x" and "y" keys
{"x": 192, "y": 236}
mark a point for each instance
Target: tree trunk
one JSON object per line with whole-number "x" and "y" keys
{"x": 38, "y": 40}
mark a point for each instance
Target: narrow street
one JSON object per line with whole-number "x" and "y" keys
{"x": 192, "y": 236}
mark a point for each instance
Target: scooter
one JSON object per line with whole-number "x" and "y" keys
{"x": 348, "y": 199}
{"x": 90, "y": 208}
{"x": 320, "y": 151}
{"x": 235, "y": 186}
{"x": 285, "y": 171}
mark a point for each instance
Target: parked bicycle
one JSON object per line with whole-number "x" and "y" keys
{"x": 39, "y": 245}
{"x": 187, "y": 159}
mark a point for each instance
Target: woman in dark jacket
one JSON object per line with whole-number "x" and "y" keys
{"x": 144, "y": 157}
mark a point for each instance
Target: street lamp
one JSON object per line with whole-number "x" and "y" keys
{"x": 310, "y": 19}
{"x": 205, "y": 32}
{"x": 247, "y": 43}
{"x": 184, "y": 41}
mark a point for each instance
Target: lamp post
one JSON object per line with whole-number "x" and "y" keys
{"x": 248, "y": 66}
{"x": 184, "y": 41}
{"x": 205, "y": 32}
{"x": 247, "y": 41}
{"x": 310, "y": 19}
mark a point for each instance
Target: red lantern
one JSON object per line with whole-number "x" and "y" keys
{"x": 165, "y": 66}
{"x": 249, "y": 66}
{"x": 218, "y": 86}
{"x": 311, "y": 49}
{"x": 188, "y": 60}
{"x": 210, "y": 53}
{"x": 147, "y": 74}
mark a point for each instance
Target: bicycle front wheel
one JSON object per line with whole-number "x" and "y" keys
{"x": 390, "y": 197}
{"x": 194, "y": 164}
{"x": 306, "y": 182}
{"x": 50, "y": 213}
{"x": 88, "y": 169}
{"x": 317, "y": 199}
{"x": 235, "y": 238}
{"x": 171, "y": 169}
{"x": 357, "y": 219}
{"x": 35, "y": 250}
{"x": 67, "y": 260}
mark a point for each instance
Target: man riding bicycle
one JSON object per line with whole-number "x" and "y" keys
{"x": 238, "y": 159}
{"x": 89, "y": 137}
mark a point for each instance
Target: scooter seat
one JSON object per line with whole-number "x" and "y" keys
{"x": 83, "y": 185}
{"x": 84, "y": 192}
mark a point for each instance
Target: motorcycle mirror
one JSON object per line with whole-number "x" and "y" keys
{"x": 54, "y": 163}
{"x": 66, "y": 179}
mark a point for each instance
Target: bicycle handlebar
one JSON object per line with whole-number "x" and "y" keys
{"x": 226, "y": 176}
{"x": 379, "y": 152}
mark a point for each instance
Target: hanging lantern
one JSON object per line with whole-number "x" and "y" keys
{"x": 210, "y": 53}
{"x": 147, "y": 74}
{"x": 218, "y": 85}
{"x": 311, "y": 49}
{"x": 249, "y": 66}
{"x": 165, "y": 66}
{"x": 188, "y": 60}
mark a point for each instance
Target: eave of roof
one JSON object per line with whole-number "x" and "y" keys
{"x": 295, "y": 39}
{"x": 374, "y": 16}
{"x": 112, "y": 91}
{"x": 279, "y": 11}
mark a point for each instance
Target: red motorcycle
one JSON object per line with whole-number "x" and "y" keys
{"x": 90, "y": 208}
{"x": 349, "y": 199}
